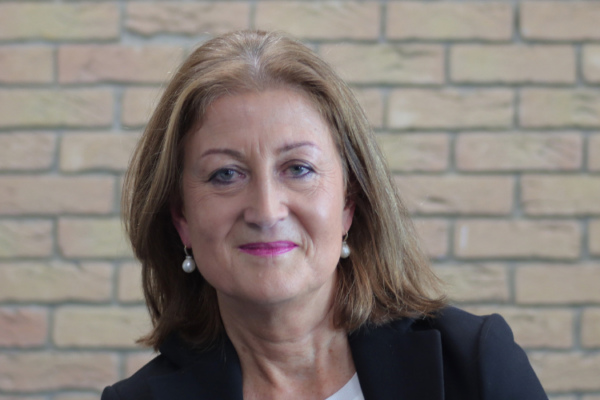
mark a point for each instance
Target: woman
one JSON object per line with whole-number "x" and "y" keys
{"x": 278, "y": 261}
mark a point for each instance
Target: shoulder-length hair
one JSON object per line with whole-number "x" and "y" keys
{"x": 386, "y": 277}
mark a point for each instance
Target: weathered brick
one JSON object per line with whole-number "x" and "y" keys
{"x": 517, "y": 239}
{"x": 135, "y": 361}
{"x": 518, "y": 151}
{"x": 565, "y": 372}
{"x": 77, "y": 326}
{"x": 55, "y": 281}
{"x": 23, "y": 326}
{"x": 451, "y": 194}
{"x": 26, "y": 64}
{"x": 591, "y": 63}
{"x": 113, "y": 63}
{"x": 56, "y": 21}
{"x": 387, "y": 63}
{"x": 434, "y": 236}
{"x": 26, "y": 150}
{"x": 51, "y": 370}
{"x": 320, "y": 20}
{"x": 450, "y": 108}
{"x": 594, "y": 152}
{"x": 449, "y": 21}
{"x": 32, "y": 238}
{"x": 410, "y": 152}
{"x": 560, "y": 108}
{"x": 138, "y": 104}
{"x": 594, "y": 237}
{"x": 92, "y": 237}
{"x": 555, "y": 20}
{"x": 372, "y": 103}
{"x": 198, "y": 18}
{"x": 475, "y": 282}
{"x": 534, "y": 327}
{"x": 76, "y": 396}
{"x": 558, "y": 284}
{"x": 560, "y": 195}
{"x": 512, "y": 64}
{"x": 89, "y": 151}
{"x": 54, "y": 194}
{"x": 130, "y": 283}
{"x": 590, "y": 327}
{"x": 56, "y": 108}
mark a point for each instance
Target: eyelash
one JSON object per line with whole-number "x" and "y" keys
{"x": 214, "y": 177}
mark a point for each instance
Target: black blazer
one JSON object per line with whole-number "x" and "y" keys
{"x": 454, "y": 356}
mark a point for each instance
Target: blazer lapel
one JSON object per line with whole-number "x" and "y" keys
{"x": 393, "y": 362}
{"x": 213, "y": 375}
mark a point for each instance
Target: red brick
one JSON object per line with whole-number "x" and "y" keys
{"x": 476, "y": 63}
{"x": 558, "y": 108}
{"x": 23, "y": 326}
{"x": 386, "y": 63}
{"x": 557, "y": 20}
{"x": 21, "y": 195}
{"x": 59, "y": 21}
{"x": 197, "y": 18}
{"x": 450, "y": 108}
{"x": 320, "y": 20}
{"x": 517, "y": 239}
{"x": 448, "y": 21}
{"x": 29, "y": 238}
{"x": 566, "y": 372}
{"x": 560, "y": 195}
{"x": 55, "y": 108}
{"x": 26, "y": 64}
{"x": 55, "y": 282}
{"x": 594, "y": 237}
{"x": 519, "y": 151}
{"x": 475, "y": 282}
{"x": 450, "y": 194}
{"x": 27, "y": 150}
{"x": 113, "y": 63}
{"x": 594, "y": 152}
{"x": 415, "y": 152}
{"x": 51, "y": 370}
{"x": 434, "y": 236}
{"x": 558, "y": 284}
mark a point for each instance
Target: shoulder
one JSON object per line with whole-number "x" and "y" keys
{"x": 136, "y": 387}
{"x": 484, "y": 347}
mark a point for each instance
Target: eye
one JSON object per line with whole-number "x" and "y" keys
{"x": 299, "y": 170}
{"x": 224, "y": 176}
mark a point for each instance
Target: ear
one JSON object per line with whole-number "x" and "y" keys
{"x": 180, "y": 222}
{"x": 348, "y": 214}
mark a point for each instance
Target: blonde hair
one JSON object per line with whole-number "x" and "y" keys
{"x": 387, "y": 275}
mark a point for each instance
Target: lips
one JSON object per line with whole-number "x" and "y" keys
{"x": 268, "y": 249}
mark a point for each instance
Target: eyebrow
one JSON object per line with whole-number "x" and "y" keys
{"x": 236, "y": 154}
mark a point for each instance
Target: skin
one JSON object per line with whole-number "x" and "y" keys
{"x": 263, "y": 168}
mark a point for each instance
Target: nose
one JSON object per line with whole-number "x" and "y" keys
{"x": 266, "y": 203}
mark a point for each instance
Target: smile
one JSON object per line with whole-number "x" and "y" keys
{"x": 268, "y": 249}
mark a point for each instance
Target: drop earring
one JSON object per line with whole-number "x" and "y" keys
{"x": 345, "y": 253}
{"x": 188, "y": 264}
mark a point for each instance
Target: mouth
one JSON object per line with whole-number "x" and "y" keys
{"x": 268, "y": 249}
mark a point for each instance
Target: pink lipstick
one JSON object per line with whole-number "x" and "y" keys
{"x": 268, "y": 249}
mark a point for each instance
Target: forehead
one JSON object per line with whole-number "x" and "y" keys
{"x": 266, "y": 118}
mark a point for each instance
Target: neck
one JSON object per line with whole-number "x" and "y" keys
{"x": 291, "y": 349}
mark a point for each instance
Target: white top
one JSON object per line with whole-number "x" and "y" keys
{"x": 350, "y": 391}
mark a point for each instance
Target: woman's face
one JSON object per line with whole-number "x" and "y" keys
{"x": 264, "y": 205}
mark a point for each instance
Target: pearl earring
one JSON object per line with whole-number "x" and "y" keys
{"x": 188, "y": 264}
{"x": 345, "y": 253}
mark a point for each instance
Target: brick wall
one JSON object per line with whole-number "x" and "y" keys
{"x": 488, "y": 112}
